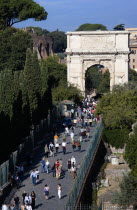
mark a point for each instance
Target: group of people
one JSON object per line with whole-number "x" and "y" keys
{"x": 27, "y": 203}
{"x": 82, "y": 118}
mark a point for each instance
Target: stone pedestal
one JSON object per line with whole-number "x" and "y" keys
{"x": 115, "y": 160}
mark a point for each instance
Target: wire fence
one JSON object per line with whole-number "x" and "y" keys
{"x": 73, "y": 196}
{"x": 27, "y": 147}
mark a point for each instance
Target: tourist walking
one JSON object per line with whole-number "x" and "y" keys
{"x": 73, "y": 170}
{"x": 69, "y": 165}
{"x": 46, "y": 151}
{"x": 57, "y": 147}
{"x": 33, "y": 199}
{"x": 46, "y": 191}
{"x": 79, "y": 145}
{"x": 87, "y": 132}
{"x": 58, "y": 172}
{"x": 33, "y": 176}
{"x": 55, "y": 138}
{"x": 23, "y": 197}
{"x": 42, "y": 165}
{"x": 5, "y": 206}
{"x": 64, "y": 147}
{"x": 12, "y": 207}
{"x": 37, "y": 175}
{"x": 51, "y": 149}
{"x": 67, "y": 131}
{"x": 73, "y": 146}
{"x": 47, "y": 166}
{"x": 27, "y": 199}
{"x": 28, "y": 206}
{"x": 54, "y": 170}
{"x": 72, "y": 136}
{"x": 22, "y": 207}
{"x": 59, "y": 190}
{"x": 17, "y": 181}
{"x": 73, "y": 160}
{"x": 16, "y": 202}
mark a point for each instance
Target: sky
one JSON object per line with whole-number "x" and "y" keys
{"x": 68, "y": 15}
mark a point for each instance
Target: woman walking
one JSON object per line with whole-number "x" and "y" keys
{"x": 33, "y": 198}
{"x": 46, "y": 151}
{"x": 69, "y": 165}
{"x": 73, "y": 170}
{"x": 57, "y": 147}
{"x": 58, "y": 172}
{"x": 46, "y": 191}
{"x": 59, "y": 190}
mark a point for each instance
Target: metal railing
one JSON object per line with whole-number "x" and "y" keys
{"x": 73, "y": 196}
{"x": 28, "y": 145}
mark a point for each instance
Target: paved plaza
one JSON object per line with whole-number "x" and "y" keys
{"x": 65, "y": 180}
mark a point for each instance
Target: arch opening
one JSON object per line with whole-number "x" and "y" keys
{"x": 97, "y": 80}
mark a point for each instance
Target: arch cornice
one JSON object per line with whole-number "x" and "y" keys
{"x": 97, "y": 53}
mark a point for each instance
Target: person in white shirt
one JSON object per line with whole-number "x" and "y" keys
{"x": 28, "y": 207}
{"x": 27, "y": 199}
{"x": 64, "y": 147}
{"x": 73, "y": 160}
{"x": 5, "y": 206}
{"x": 67, "y": 131}
{"x": 37, "y": 175}
{"x": 59, "y": 191}
{"x": 33, "y": 175}
{"x": 47, "y": 166}
{"x": 51, "y": 149}
{"x": 72, "y": 136}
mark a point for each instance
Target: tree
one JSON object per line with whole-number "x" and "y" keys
{"x": 91, "y": 27}
{"x": 32, "y": 82}
{"x": 131, "y": 150}
{"x": 14, "y": 11}
{"x": 57, "y": 72}
{"x": 132, "y": 75}
{"x": 128, "y": 192}
{"x": 119, "y": 27}
{"x": 63, "y": 92}
{"x": 14, "y": 43}
{"x": 6, "y": 95}
{"x": 60, "y": 41}
{"x": 119, "y": 108}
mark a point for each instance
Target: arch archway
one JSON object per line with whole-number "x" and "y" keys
{"x": 97, "y": 80}
{"x": 107, "y": 48}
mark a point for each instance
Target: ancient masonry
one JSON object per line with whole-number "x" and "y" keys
{"x": 107, "y": 48}
{"x": 43, "y": 45}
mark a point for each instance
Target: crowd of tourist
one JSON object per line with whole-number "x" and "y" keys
{"x": 83, "y": 118}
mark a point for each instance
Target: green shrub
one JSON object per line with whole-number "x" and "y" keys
{"x": 116, "y": 137}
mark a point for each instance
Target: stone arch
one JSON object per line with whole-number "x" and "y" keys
{"x": 107, "y": 48}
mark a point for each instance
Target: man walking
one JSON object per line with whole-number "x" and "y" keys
{"x": 64, "y": 147}
{"x": 33, "y": 175}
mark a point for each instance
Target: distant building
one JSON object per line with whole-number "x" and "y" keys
{"x": 133, "y": 47}
{"x": 43, "y": 45}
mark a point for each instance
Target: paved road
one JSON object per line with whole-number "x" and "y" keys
{"x": 66, "y": 180}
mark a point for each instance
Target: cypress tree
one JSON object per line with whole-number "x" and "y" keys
{"x": 26, "y": 121}
{"x": 32, "y": 82}
{"x": 6, "y": 84}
